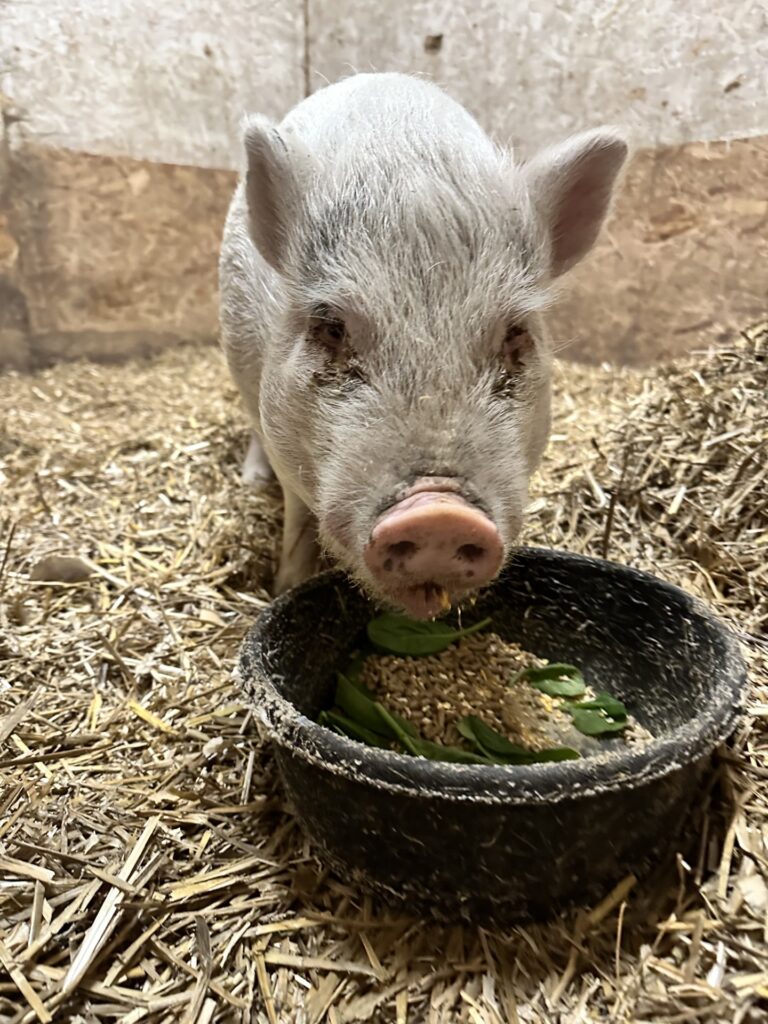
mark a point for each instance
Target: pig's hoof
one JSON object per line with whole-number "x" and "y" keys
{"x": 258, "y": 481}
{"x": 256, "y": 471}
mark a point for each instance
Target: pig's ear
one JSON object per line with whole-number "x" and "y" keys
{"x": 571, "y": 186}
{"x": 276, "y": 176}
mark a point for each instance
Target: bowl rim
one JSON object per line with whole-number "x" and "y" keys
{"x": 544, "y": 783}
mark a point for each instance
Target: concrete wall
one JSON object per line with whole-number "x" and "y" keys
{"x": 168, "y": 82}
{"x": 165, "y": 82}
{"x": 676, "y": 71}
{"x": 119, "y": 136}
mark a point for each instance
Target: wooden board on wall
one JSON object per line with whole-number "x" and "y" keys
{"x": 115, "y": 256}
{"x": 120, "y": 256}
{"x": 117, "y": 117}
{"x": 531, "y": 72}
{"x": 681, "y": 264}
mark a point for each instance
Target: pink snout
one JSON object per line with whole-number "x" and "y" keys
{"x": 431, "y": 548}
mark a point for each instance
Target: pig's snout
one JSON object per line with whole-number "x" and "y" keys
{"x": 430, "y": 548}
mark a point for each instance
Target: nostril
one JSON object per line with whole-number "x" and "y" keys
{"x": 402, "y": 549}
{"x": 470, "y": 553}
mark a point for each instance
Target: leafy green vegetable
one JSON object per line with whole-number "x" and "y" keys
{"x": 404, "y": 724}
{"x": 595, "y": 723}
{"x": 555, "y": 680}
{"x": 487, "y": 739}
{"x": 603, "y": 714}
{"x": 612, "y": 706}
{"x": 397, "y": 634}
{"x": 441, "y": 752}
{"x": 503, "y": 751}
{"x": 403, "y": 736}
{"x": 357, "y": 706}
{"x": 360, "y": 705}
{"x": 561, "y": 687}
{"x": 556, "y": 670}
{"x": 359, "y": 715}
{"x": 358, "y": 685}
{"x": 467, "y": 730}
{"x": 352, "y": 729}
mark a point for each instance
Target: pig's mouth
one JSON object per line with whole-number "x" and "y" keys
{"x": 425, "y": 600}
{"x": 431, "y": 549}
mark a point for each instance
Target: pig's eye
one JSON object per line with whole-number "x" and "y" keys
{"x": 517, "y": 348}
{"x": 327, "y": 330}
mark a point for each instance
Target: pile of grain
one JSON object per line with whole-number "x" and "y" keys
{"x": 470, "y": 677}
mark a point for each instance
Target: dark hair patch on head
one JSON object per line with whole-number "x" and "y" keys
{"x": 342, "y": 213}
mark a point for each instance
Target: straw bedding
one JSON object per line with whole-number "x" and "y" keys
{"x": 148, "y": 869}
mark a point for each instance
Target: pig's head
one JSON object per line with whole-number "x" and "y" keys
{"x": 405, "y": 395}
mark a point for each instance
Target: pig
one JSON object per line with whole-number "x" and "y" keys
{"x": 383, "y": 276}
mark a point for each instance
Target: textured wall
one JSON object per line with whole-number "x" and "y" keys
{"x": 683, "y": 262}
{"x": 164, "y": 81}
{"x": 674, "y": 70}
{"x": 169, "y": 81}
{"x": 117, "y": 256}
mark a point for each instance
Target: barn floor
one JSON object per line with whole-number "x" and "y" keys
{"x": 148, "y": 868}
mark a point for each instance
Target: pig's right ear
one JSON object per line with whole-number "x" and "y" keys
{"x": 279, "y": 166}
{"x": 571, "y": 186}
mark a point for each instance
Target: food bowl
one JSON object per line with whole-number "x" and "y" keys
{"x": 497, "y": 843}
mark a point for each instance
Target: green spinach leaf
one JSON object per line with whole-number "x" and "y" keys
{"x": 612, "y": 706}
{"x": 397, "y": 634}
{"x": 442, "y": 752}
{"x": 404, "y": 736}
{"x": 357, "y": 706}
{"x": 361, "y": 706}
{"x": 487, "y": 739}
{"x": 555, "y": 680}
{"x": 352, "y": 729}
{"x": 503, "y": 751}
{"x": 595, "y": 723}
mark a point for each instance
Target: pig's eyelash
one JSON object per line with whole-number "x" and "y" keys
{"x": 328, "y": 329}
{"x": 517, "y": 347}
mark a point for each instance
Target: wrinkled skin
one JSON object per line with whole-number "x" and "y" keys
{"x": 383, "y": 272}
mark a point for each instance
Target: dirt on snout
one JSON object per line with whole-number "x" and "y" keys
{"x": 472, "y": 677}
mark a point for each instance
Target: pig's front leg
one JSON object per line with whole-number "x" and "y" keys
{"x": 300, "y": 553}
{"x": 256, "y": 471}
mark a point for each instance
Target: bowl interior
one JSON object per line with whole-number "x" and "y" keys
{"x": 642, "y": 640}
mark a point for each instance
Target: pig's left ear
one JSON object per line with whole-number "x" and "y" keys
{"x": 570, "y": 186}
{"x": 279, "y": 167}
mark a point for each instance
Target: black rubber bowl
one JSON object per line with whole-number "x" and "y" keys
{"x": 504, "y": 843}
